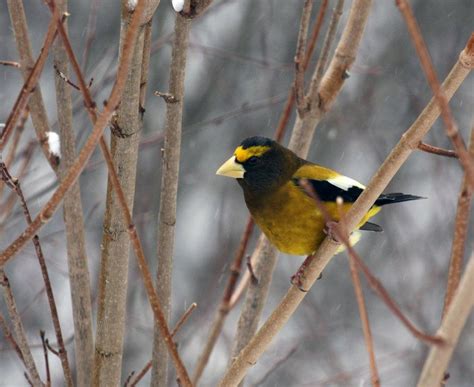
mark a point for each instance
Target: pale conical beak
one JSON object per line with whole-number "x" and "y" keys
{"x": 231, "y": 169}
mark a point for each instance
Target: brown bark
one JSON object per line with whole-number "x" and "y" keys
{"x": 74, "y": 223}
{"x": 169, "y": 191}
{"x": 112, "y": 294}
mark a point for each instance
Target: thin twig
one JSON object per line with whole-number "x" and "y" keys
{"x": 78, "y": 268}
{"x": 225, "y": 305}
{"x": 51, "y": 349}
{"x": 286, "y": 113}
{"x": 16, "y": 139}
{"x": 9, "y": 337}
{"x": 90, "y": 33}
{"x": 9, "y": 204}
{"x": 46, "y": 359}
{"x": 436, "y": 150}
{"x": 312, "y": 96}
{"x": 300, "y": 56}
{"x": 10, "y": 63}
{"x": 466, "y": 160}
{"x": 364, "y": 317}
{"x": 453, "y": 322}
{"x": 183, "y": 319}
{"x": 147, "y": 366}
{"x": 461, "y": 224}
{"x": 29, "y": 87}
{"x": 65, "y": 78}
{"x": 19, "y": 330}
{"x": 275, "y": 366}
{"x": 141, "y": 374}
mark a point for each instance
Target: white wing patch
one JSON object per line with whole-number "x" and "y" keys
{"x": 344, "y": 182}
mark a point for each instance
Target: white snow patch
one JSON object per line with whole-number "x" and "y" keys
{"x": 178, "y": 5}
{"x": 2, "y": 125}
{"x": 345, "y": 182}
{"x": 131, "y": 4}
{"x": 53, "y": 143}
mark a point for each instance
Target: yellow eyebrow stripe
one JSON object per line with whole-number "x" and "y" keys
{"x": 243, "y": 155}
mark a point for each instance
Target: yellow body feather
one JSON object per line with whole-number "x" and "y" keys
{"x": 292, "y": 222}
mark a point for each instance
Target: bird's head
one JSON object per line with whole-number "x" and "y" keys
{"x": 260, "y": 164}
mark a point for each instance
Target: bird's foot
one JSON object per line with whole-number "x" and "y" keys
{"x": 297, "y": 280}
{"x": 298, "y": 277}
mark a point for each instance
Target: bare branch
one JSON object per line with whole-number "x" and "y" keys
{"x": 169, "y": 190}
{"x": 225, "y": 305}
{"x": 20, "y": 334}
{"x": 9, "y": 337}
{"x": 31, "y": 80}
{"x": 313, "y": 96}
{"x": 461, "y": 224}
{"x": 300, "y": 56}
{"x": 46, "y": 359}
{"x": 285, "y": 115}
{"x": 78, "y": 268}
{"x": 275, "y": 366}
{"x": 177, "y": 327}
{"x": 453, "y": 322}
{"x": 10, "y": 63}
{"x": 364, "y": 317}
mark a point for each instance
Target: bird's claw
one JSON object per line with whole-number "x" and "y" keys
{"x": 297, "y": 280}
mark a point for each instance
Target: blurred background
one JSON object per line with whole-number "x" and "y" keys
{"x": 240, "y": 68}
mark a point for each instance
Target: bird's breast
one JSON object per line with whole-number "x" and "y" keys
{"x": 289, "y": 218}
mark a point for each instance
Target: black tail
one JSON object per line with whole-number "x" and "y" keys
{"x": 395, "y": 198}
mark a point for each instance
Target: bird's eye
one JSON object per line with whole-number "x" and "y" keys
{"x": 252, "y": 160}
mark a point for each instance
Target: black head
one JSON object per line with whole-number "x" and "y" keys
{"x": 260, "y": 164}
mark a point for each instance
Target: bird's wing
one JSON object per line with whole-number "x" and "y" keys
{"x": 329, "y": 184}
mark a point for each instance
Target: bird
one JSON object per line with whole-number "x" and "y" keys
{"x": 272, "y": 179}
